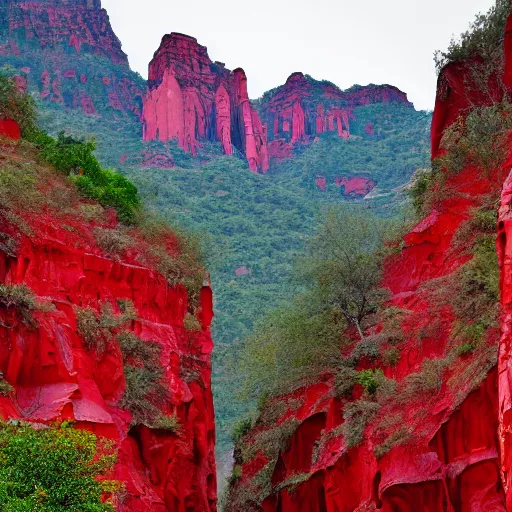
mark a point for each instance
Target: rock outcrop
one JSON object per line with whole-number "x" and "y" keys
{"x": 194, "y": 100}
{"x": 447, "y": 449}
{"x": 303, "y": 108}
{"x": 68, "y": 52}
{"x": 57, "y": 375}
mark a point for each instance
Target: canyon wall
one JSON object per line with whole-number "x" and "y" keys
{"x": 434, "y": 446}
{"x": 59, "y": 371}
{"x": 194, "y": 100}
{"x": 303, "y": 108}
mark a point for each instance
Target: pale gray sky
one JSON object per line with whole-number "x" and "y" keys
{"x": 344, "y": 41}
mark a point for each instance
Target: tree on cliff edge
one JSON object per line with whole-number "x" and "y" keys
{"x": 344, "y": 261}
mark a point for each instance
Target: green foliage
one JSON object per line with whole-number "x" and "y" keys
{"x": 236, "y": 474}
{"x": 479, "y": 139}
{"x": 191, "y": 323}
{"x": 241, "y": 429}
{"x": 357, "y": 416}
{"x": 20, "y": 298}
{"x": 421, "y": 184}
{"x": 98, "y": 329}
{"x": 484, "y": 38}
{"x": 5, "y": 388}
{"x": 475, "y": 291}
{"x": 75, "y": 158}
{"x": 16, "y": 105}
{"x": 399, "y": 437}
{"x": 289, "y": 344}
{"x": 345, "y": 265}
{"x": 169, "y": 423}
{"x": 145, "y": 391}
{"x": 392, "y": 356}
{"x": 52, "y": 469}
{"x": 271, "y": 441}
{"x": 429, "y": 379}
{"x": 369, "y": 379}
{"x": 344, "y": 380}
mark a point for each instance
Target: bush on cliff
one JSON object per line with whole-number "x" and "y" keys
{"x": 16, "y": 105}
{"x": 54, "y": 469}
{"x": 483, "y": 39}
{"x": 76, "y": 159}
{"x": 21, "y": 299}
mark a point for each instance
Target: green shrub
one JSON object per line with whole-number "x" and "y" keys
{"x": 344, "y": 380}
{"x": 5, "y": 388}
{"x": 241, "y": 429}
{"x": 369, "y": 379}
{"x": 170, "y": 423}
{"x": 20, "y": 298}
{"x": 76, "y": 159}
{"x": 97, "y": 329}
{"x": 16, "y": 105}
{"x": 112, "y": 241}
{"x": 271, "y": 441}
{"x": 145, "y": 391}
{"x": 357, "y": 416}
{"x": 392, "y": 356}
{"x": 484, "y": 38}
{"x": 53, "y": 469}
{"x": 191, "y": 323}
{"x": 479, "y": 139}
{"x": 236, "y": 474}
{"x": 429, "y": 379}
{"x": 421, "y": 183}
{"x": 476, "y": 287}
{"x": 401, "y": 436}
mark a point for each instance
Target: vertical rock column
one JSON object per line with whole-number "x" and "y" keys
{"x": 504, "y": 248}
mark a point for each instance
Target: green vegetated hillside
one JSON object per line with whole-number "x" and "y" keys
{"x": 388, "y": 157}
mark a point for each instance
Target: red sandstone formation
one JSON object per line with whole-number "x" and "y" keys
{"x": 303, "y": 108}
{"x": 56, "y": 378}
{"x": 49, "y": 42}
{"x": 351, "y": 186}
{"x": 355, "y": 186}
{"x": 449, "y": 451}
{"x": 192, "y": 99}
{"x": 76, "y": 24}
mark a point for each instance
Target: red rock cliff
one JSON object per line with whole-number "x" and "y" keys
{"x": 303, "y": 108}
{"x": 50, "y": 43}
{"x": 192, "y": 99}
{"x": 447, "y": 451}
{"x": 57, "y": 377}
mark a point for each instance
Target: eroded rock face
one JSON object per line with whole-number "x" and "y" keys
{"x": 303, "y": 108}
{"x": 50, "y": 43}
{"x": 452, "y": 450}
{"x": 56, "y": 378}
{"x": 194, "y": 100}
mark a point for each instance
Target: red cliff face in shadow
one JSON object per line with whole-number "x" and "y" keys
{"x": 192, "y": 99}
{"x": 56, "y": 377}
{"x": 450, "y": 451}
{"x": 303, "y": 107}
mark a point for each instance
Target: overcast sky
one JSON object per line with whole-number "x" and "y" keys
{"x": 344, "y": 41}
